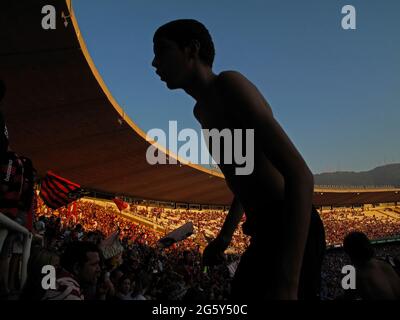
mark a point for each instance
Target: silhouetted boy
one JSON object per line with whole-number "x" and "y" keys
{"x": 276, "y": 196}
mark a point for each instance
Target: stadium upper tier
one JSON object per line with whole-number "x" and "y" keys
{"x": 60, "y": 114}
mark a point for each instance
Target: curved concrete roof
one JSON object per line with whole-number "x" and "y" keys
{"x": 60, "y": 114}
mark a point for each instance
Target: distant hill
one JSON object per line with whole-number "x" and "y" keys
{"x": 380, "y": 176}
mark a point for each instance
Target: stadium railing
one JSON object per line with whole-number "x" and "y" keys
{"x": 6, "y": 224}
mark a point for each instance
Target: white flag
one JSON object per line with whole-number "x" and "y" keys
{"x": 111, "y": 246}
{"x": 178, "y": 234}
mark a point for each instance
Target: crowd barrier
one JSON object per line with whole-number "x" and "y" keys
{"x": 6, "y": 225}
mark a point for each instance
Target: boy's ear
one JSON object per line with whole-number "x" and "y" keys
{"x": 194, "y": 48}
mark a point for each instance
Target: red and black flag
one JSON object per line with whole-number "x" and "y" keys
{"x": 57, "y": 192}
{"x": 121, "y": 204}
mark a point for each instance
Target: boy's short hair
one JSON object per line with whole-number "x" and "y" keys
{"x": 185, "y": 30}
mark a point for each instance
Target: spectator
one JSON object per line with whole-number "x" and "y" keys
{"x": 124, "y": 289}
{"x": 375, "y": 279}
{"x": 80, "y": 266}
{"x": 142, "y": 284}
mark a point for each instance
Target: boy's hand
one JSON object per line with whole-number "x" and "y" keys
{"x": 214, "y": 252}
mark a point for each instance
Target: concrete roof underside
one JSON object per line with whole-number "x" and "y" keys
{"x": 60, "y": 114}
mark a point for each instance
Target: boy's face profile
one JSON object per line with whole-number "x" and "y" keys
{"x": 172, "y": 63}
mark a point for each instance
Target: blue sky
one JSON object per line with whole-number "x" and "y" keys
{"x": 335, "y": 92}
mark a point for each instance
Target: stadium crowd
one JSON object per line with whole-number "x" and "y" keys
{"x": 207, "y": 223}
{"x": 141, "y": 269}
{"x": 339, "y": 222}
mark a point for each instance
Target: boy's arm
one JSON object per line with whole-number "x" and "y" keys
{"x": 216, "y": 247}
{"x": 232, "y": 220}
{"x": 247, "y": 103}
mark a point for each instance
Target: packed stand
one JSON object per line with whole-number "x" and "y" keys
{"x": 339, "y": 222}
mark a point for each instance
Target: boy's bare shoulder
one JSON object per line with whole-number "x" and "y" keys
{"x": 230, "y": 73}
{"x": 236, "y": 86}
{"x": 238, "y": 89}
{"x": 232, "y": 77}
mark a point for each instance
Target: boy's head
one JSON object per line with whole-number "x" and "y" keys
{"x": 177, "y": 44}
{"x": 358, "y": 247}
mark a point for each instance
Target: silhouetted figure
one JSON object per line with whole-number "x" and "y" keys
{"x": 276, "y": 194}
{"x": 375, "y": 279}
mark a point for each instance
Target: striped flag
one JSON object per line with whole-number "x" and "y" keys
{"x": 57, "y": 192}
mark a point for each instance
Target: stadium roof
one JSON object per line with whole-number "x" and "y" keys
{"x": 60, "y": 114}
{"x": 348, "y": 197}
